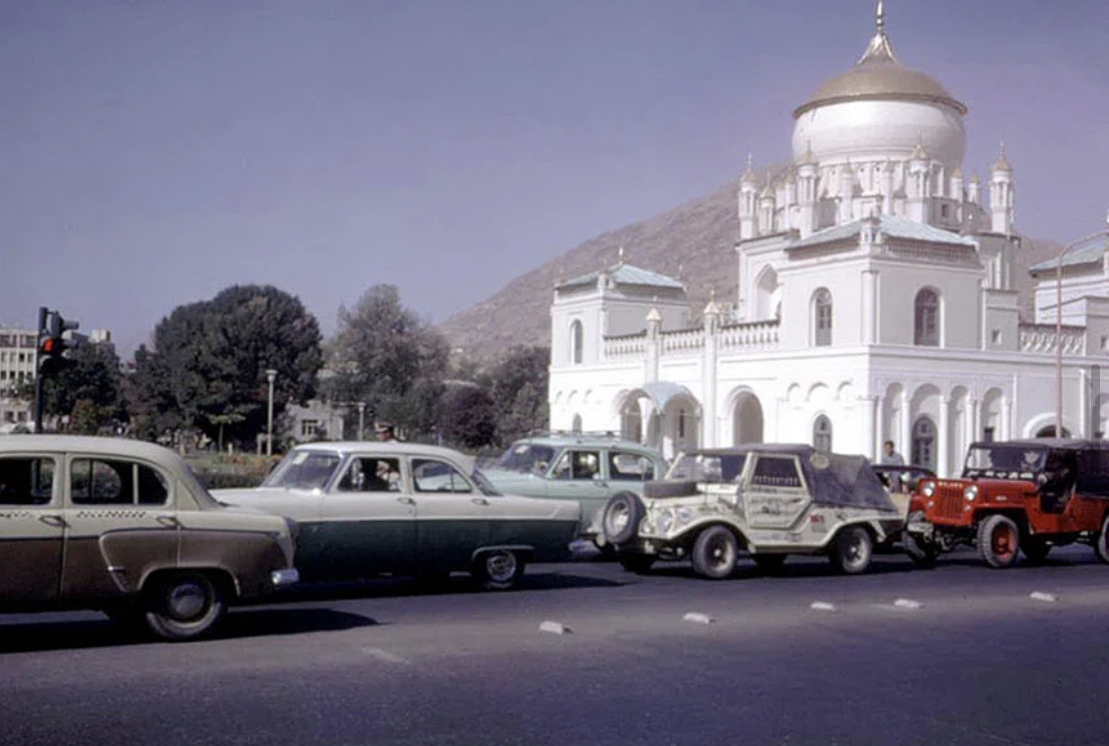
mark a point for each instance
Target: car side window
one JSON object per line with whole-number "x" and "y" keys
{"x": 432, "y": 475}
{"x": 26, "y": 480}
{"x": 115, "y": 482}
{"x": 578, "y": 465}
{"x": 776, "y": 471}
{"x": 629, "y": 467}
{"x": 369, "y": 474}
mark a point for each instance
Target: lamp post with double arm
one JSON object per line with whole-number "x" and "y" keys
{"x": 1059, "y": 322}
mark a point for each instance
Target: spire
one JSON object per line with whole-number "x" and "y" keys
{"x": 807, "y": 159}
{"x": 749, "y": 174}
{"x": 1002, "y": 164}
{"x": 919, "y": 153}
{"x": 879, "y": 49}
{"x": 620, "y": 257}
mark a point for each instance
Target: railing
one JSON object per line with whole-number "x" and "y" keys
{"x": 685, "y": 340}
{"x": 1041, "y": 338}
{"x": 751, "y": 335}
{"x": 629, "y": 345}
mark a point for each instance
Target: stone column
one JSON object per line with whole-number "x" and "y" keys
{"x": 870, "y": 428}
{"x": 943, "y": 437}
{"x": 906, "y": 445}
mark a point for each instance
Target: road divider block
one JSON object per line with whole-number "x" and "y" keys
{"x": 822, "y": 606}
{"x": 555, "y": 628}
{"x": 1040, "y": 596}
{"x": 698, "y": 617}
{"x": 908, "y": 603}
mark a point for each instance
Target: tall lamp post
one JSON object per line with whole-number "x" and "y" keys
{"x": 270, "y": 375}
{"x": 361, "y": 417}
{"x": 1059, "y": 324}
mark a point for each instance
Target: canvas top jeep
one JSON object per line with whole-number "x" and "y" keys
{"x": 769, "y": 500}
{"x": 1023, "y": 496}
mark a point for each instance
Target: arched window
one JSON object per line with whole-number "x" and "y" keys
{"x": 576, "y": 342}
{"x": 822, "y": 317}
{"x": 576, "y": 427}
{"x": 924, "y": 442}
{"x": 926, "y": 319}
{"x": 822, "y": 434}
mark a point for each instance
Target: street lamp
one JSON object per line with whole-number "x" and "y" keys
{"x": 270, "y": 375}
{"x": 1059, "y": 324}
{"x": 361, "y": 417}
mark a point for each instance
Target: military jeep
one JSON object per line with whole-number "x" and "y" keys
{"x": 767, "y": 500}
{"x": 1016, "y": 497}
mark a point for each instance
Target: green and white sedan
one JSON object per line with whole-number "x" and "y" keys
{"x": 392, "y": 508}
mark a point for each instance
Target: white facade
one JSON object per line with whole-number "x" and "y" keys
{"x": 17, "y": 368}
{"x": 875, "y": 302}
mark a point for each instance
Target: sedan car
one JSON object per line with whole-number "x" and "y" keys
{"x": 124, "y": 527}
{"x": 368, "y": 509}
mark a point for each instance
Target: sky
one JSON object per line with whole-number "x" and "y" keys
{"x": 155, "y": 152}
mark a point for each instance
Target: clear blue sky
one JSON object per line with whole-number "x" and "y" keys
{"x": 154, "y": 152}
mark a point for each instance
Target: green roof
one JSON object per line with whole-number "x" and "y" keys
{"x": 1087, "y": 251}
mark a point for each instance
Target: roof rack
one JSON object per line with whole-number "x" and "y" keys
{"x": 611, "y": 435}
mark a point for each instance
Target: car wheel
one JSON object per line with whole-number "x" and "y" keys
{"x": 715, "y": 553}
{"x": 852, "y": 550}
{"x": 998, "y": 540}
{"x": 621, "y": 518}
{"x": 183, "y": 606}
{"x": 1101, "y": 546}
{"x": 640, "y": 564}
{"x": 499, "y": 570}
{"x": 768, "y": 564}
{"x": 921, "y": 552}
{"x": 1035, "y": 549}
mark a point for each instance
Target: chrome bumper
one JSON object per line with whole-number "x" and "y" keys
{"x": 280, "y": 578}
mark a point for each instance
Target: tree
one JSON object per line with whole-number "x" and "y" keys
{"x": 88, "y": 386}
{"x": 517, "y": 385}
{"x": 467, "y": 417}
{"x": 384, "y": 355}
{"x": 207, "y": 369}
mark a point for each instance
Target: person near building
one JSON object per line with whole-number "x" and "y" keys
{"x": 890, "y": 456}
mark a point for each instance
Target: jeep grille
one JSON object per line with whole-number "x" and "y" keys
{"x": 949, "y": 501}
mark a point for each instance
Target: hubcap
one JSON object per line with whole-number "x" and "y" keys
{"x": 186, "y": 601}
{"x": 501, "y": 566}
{"x": 1003, "y": 542}
{"x": 618, "y": 519}
{"x": 720, "y": 552}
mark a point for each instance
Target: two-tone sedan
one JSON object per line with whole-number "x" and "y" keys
{"x": 394, "y": 508}
{"x": 124, "y": 527}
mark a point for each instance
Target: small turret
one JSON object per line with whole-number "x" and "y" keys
{"x": 1001, "y": 194}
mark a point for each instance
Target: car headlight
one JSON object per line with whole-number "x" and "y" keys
{"x": 970, "y": 493}
{"x": 683, "y": 516}
{"x": 928, "y": 489}
{"x": 665, "y": 520}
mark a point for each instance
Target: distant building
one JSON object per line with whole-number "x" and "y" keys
{"x": 17, "y": 367}
{"x": 875, "y": 301}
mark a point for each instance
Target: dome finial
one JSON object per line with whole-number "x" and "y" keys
{"x": 879, "y": 49}
{"x": 1002, "y": 163}
{"x": 880, "y": 17}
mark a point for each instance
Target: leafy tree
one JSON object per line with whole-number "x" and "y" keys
{"x": 208, "y": 366}
{"x": 517, "y": 385}
{"x": 86, "y": 390}
{"x": 384, "y": 355}
{"x": 468, "y": 418}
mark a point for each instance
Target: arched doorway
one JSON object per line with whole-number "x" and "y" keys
{"x": 924, "y": 442}
{"x": 747, "y": 424}
{"x": 822, "y": 434}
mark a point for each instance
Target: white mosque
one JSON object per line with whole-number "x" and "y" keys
{"x": 875, "y": 302}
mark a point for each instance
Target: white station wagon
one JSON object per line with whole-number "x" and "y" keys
{"x": 124, "y": 527}
{"x": 371, "y": 508}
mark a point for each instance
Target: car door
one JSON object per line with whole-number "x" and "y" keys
{"x": 121, "y": 522}
{"x": 31, "y": 528}
{"x": 368, "y": 519}
{"x": 452, "y": 515}
{"x": 775, "y": 493}
{"x": 577, "y": 476}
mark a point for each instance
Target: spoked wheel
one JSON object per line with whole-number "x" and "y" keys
{"x": 183, "y": 606}
{"x": 715, "y": 553}
{"x": 499, "y": 570}
{"x": 998, "y": 541}
{"x": 621, "y": 517}
{"x": 852, "y": 550}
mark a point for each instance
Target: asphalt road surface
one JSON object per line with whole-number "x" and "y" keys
{"x": 968, "y": 657}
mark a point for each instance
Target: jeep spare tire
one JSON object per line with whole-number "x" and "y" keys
{"x": 621, "y": 518}
{"x": 670, "y": 488}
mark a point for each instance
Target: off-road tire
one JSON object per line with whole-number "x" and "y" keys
{"x": 852, "y": 550}
{"x": 999, "y": 541}
{"x": 498, "y": 569}
{"x": 183, "y": 605}
{"x": 621, "y": 517}
{"x": 715, "y": 553}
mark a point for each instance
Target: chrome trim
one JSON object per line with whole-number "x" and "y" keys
{"x": 284, "y": 577}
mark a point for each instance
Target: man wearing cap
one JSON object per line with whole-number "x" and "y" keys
{"x": 385, "y": 431}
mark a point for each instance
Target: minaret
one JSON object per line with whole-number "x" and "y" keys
{"x": 846, "y": 193}
{"x": 918, "y": 187}
{"x": 748, "y": 191}
{"x": 806, "y": 192}
{"x": 766, "y": 209}
{"x": 1001, "y": 195}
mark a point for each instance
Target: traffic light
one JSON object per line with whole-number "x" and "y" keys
{"x": 52, "y": 343}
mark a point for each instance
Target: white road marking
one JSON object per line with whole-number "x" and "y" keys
{"x": 384, "y": 655}
{"x": 696, "y": 616}
{"x": 907, "y": 603}
{"x": 822, "y": 606}
{"x": 556, "y": 628}
{"x": 1038, "y": 596}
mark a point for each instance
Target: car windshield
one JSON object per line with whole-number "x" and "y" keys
{"x": 705, "y": 467}
{"x": 484, "y": 484}
{"x": 1005, "y": 461}
{"x": 526, "y": 457}
{"x": 304, "y": 470}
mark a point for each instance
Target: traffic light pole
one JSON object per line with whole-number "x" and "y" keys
{"x": 38, "y": 369}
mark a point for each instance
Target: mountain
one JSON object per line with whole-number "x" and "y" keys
{"x": 694, "y": 242}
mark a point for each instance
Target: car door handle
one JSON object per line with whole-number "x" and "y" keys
{"x": 168, "y": 521}
{"x": 53, "y": 520}
{"x": 479, "y": 501}
{"x": 406, "y": 500}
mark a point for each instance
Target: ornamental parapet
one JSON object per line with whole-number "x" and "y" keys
{"x": 751, "y": 335}
{"x": 1043, "y": 338}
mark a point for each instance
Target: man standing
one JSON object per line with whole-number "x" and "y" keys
{"x": 890, "y": 456}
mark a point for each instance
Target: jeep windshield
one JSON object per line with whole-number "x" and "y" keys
{"x": 712, "y": 468}
{"x": 1005, "y": 461}
{"x": 304, "y": 470}
{"x": 526, "y": 458}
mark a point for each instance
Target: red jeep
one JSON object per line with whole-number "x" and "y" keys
{"x": 1026, "y": 495}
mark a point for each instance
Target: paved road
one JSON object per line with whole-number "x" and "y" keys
{"x": 979, "y": 662}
